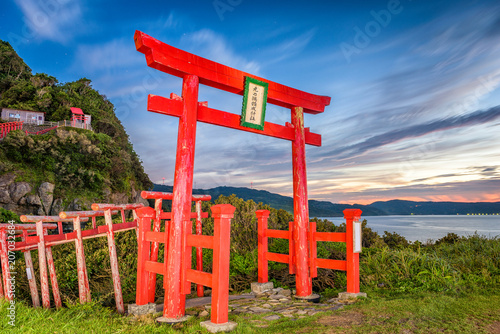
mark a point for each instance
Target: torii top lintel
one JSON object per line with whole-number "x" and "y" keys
{"x": 177, "y": 62}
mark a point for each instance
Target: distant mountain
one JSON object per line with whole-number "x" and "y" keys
{"x": 400, "y": 207}
{"x": 316, "y": 208}
{"x": 328, "y": 209}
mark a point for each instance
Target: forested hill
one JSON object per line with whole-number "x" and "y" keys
{"x": 67, "y": 167}
{"x": 328, "y": 209}
{"x": 316, "y": 208}
{"x": 400, "y": 207}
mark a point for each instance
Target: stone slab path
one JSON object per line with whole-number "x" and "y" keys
{"x": 278, "y": 303}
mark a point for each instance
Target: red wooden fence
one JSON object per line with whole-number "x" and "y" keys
{"x": 5, "y": 128}
{"x": 35, "y": 236}
{"x": 147, "y": 263}
{"x": 350, "y": 265}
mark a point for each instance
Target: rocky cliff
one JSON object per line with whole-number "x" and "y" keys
{"x": 67, "y": 168}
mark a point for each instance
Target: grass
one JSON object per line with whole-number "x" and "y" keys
{"x": 416, "y": 313}
{"x": 448, "y": 287}
{"x": 425, "y": 313}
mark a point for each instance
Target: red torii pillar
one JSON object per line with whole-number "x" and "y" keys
{"x": 181, "y": 203}
{"x": 303, "y": 280}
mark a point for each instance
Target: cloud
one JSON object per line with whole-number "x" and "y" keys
{"x": 208, "y": 44}
{"x": 290, "y": 47}
{"x": 55, "y": 21}
{"x": 412, "y": 131}
{"x": 117, "y": 53}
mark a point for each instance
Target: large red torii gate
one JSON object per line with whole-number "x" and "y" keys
{"x": 195, "y": 70}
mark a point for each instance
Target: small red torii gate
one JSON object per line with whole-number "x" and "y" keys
{"x": 195, "y": 70}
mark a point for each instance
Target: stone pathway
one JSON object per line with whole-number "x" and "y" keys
{"x": 275, "y": 304}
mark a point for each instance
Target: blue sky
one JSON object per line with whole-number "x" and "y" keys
{"x": 415, "y": 110}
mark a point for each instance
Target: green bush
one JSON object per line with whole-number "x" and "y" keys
{"x": 465, "y": 264}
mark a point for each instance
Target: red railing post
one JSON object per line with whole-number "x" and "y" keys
{"x": 115, "y": 272}
{"x": 155, "y": 247}
{"x": 222, "y": 214}
{"x": 144, "y": 215}
{"x": 199, "y": 250}
{"x": 300, "y": 205}
{"x": 262, "y": 216}
{"x": 314, "y": 249}
{"x": 175, "y": 299}
{"x": 291, "y": 250}
{"x": 352, "y": 258}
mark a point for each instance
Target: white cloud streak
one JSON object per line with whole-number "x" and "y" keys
{"x": 53, "y": 20}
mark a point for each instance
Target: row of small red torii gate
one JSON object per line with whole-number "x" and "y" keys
{"x": 178, "y": 239}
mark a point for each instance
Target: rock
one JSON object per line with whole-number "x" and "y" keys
{"x": 272, "y": 317}
{"x": 278, "y": 297}
{"x": 57, "y": 206}
{"x": 337, "y": 307}
{"x": 133, "y": 192}
{"x": 107, "y": 193}
{"x": 266, "y": 306}
{"x": 203, "y": 314}
{"x": 301, "y": 312}
{"x": 75, "y": 205}
{"x": 139, "y": 199}
{"x": 46, "y": 193}
{"x": 119, "y": 198}
{"x": 33, "y": 200}
{"x": 286, "y": 293}
{"x": 257, "y": 309}
{"x": 17, "y": 190}
{"x": 4, "y": 196}
{"x": 7, "y": 179}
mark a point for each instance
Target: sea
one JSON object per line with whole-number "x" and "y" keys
{"x": 431, "y": 228}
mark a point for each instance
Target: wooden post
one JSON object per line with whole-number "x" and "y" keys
{"x": 155, "y": 247}
{"x": 52, "y": 273}
{"x": 314, "y": 249}
{"x": 144, "y": 216}
{"x": 199, "y": 250}
{"x": 292, "y": 267}
{"x": 4, "y": 258}
{"x": 352, "y": 258}
{"x": 115, "y": 272}
{"x": 42, "y": 263}
{"x": 262, "y": 216}
{"x": 300, "y": 205}
{"x": 222, "y": 214}
{"x": 83, "y": 281}
{"x": 174, "y": 306}
{"x": 31, "y": 278}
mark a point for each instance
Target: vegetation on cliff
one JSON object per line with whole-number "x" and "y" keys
{"x": 80, "y": 163}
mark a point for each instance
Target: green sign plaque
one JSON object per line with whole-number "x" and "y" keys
{"x": 253, "y": 113}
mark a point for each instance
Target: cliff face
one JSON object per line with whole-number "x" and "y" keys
{"x": 25, "y": 198}
{"x": 67, "y": 168}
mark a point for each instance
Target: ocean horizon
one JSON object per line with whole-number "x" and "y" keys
{"x": 431, "y": 227}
